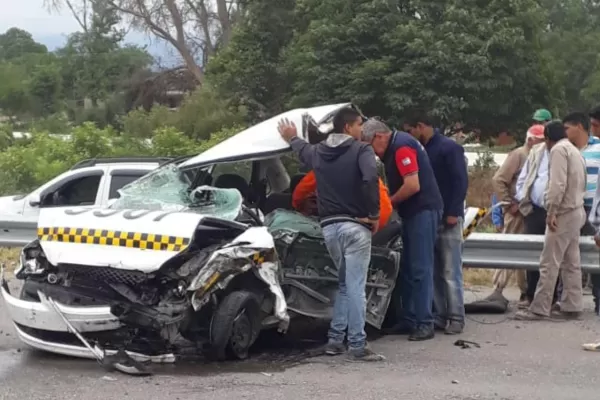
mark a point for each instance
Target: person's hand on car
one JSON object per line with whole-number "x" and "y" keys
{"x": 287, "y": 129}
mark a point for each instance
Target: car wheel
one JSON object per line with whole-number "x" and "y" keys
{"x": 235, "y": 326}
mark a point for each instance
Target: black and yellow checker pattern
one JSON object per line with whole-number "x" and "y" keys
{"x": 258, "y": 258}
{"x": 480, "y": 215}
{"x": 136, "y": 240}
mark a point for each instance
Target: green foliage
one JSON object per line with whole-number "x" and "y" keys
{"x": 202, "y": 113}
{"x": 25, "y": 166}
{"x": 141, "y": 123}
{"x": 57, "y": 124}
{"x": 258, "y": 41}
{"x": 45, "y": 89}
{"x": 15, "y": 42}
{"x": 169, "y": 141}
{"x": 6, "y": 137}
{"x": 571, "y": 45}
{"x": 14, "y": 94}
{"x": 459, "y": 59}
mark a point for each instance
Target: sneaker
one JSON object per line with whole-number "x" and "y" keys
{"x": 555, "y": 307}
{"x": 454, "y": 328}
{"x": 335, "y": 349}
{"x": 364, "y": 355}
{"x": 526, "y": 315}
{"x": 422, "y": 333}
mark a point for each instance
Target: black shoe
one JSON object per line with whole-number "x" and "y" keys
{"x": 398, "y": 329}
{"x": 422, "y": 333}
{"x": 334, "y": 349}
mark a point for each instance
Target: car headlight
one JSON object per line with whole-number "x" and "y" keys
{"x": 28, "y": 262}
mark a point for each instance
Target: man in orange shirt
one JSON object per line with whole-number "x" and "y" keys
{"x": 305, "y": 194}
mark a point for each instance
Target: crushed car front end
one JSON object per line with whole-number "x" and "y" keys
{"x": 154, "y": 284}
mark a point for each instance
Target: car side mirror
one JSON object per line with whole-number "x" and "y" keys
{"x": 35, "y": 200}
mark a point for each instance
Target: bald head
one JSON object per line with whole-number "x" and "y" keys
{"x": 373, "y": 127}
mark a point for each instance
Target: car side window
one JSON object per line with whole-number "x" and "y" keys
{"x": 77, "y": 192}
{"x": 241, "y": 168}
{"x": 118, "y": 181}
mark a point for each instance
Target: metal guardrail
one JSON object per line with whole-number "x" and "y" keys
{"x": 506, "y": 251}
{"x": 481, "y": 250}
{"x": 17, "y": 231}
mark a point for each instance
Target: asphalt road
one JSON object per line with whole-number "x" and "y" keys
{"x": 516, "y": 360}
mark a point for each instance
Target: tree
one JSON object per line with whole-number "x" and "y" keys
{"x": 249, "y": 71}
{"x": 14, "y": 95}
{"x": 45, "y": 88}
{"x": 196, "y": 29}
{"x": 16, "y": 42}
{"x": 464, "y": 60}
{"x": 572, "y": 43}
{"x": 95, "y": 66}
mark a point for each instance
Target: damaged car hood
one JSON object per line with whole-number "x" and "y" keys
{"x": 139, "y": 240}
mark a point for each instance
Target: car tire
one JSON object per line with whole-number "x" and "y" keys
{"x": 235, "y": 326}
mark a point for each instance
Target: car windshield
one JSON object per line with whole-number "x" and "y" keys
{"x": 168, "y": 189}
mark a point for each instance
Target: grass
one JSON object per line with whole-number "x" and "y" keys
{"x": 479, "y": 195}
{"x": 10, "y": 258}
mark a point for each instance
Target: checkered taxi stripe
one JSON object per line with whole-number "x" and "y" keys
{"x": 480, "y": 215}
{"x": 136, "y": 240}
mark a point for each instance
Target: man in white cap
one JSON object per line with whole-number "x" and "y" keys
{"x": 505, "y": 182}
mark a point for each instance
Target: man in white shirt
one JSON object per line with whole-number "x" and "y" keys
{"x": 531, "y": 185}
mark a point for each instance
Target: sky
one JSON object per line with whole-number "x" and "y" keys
{"x": 52, "y": 28}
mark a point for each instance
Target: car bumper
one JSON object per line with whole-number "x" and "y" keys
{"x": 41, "y": 317}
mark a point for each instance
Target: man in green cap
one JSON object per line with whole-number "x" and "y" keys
{"x": 542, "y": 116}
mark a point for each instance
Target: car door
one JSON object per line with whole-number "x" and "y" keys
{"x": 80, "y": 188}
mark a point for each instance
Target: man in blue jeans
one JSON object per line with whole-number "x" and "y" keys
{"x": 417, "y": 199}
{"x": 348, "y": 204}
{"x": 450, "y": 168}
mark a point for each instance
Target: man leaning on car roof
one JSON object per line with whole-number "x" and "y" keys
{"x": 342, "y": 164}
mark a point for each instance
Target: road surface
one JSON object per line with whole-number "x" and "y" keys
{"x": 516, "y": 360}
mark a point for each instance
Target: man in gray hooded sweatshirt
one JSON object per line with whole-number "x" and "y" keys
{"x": 348, "y": 203}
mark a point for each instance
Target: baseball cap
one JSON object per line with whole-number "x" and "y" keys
{"x": 536, "y": 131}
{"x": 542, "y": 115}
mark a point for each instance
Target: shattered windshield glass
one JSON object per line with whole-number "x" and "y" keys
{"x": 168, "y": 189}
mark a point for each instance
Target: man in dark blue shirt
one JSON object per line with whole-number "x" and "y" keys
{"x": 449, "y": 166}
{"x": 416, "y": 197}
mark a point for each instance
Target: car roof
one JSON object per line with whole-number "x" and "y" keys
{"x": 263, "y": 140}
{"x": 121, "y": 160}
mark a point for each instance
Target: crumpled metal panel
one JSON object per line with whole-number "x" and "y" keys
{"x": 244, "y": 253}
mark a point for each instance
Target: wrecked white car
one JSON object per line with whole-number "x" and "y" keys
{"x": 196, "y": 257}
